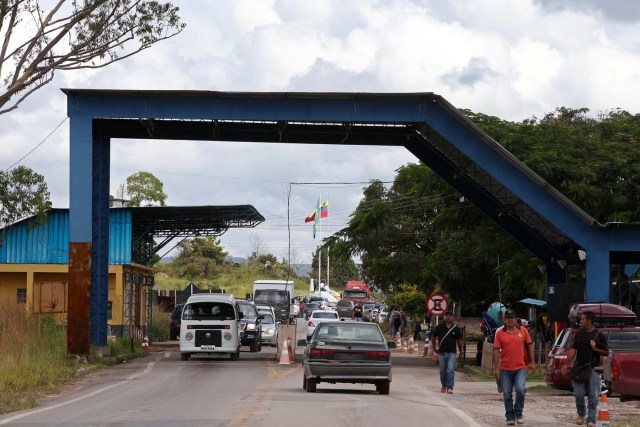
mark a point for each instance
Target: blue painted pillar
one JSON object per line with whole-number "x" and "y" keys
{"x": 598, "y": 275}
{"x": 81, "y": 161}
{"x": 100, "y": 240}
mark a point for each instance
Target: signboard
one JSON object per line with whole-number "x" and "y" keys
{"x": 437, "y": 304}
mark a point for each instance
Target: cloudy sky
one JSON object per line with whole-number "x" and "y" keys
{"x": 512, "y": 59}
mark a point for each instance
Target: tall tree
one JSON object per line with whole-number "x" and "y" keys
{"x": 200, "y": 257}
{"x": 74, "y": 34}
{"x": 23, "y": 193}
{"x": 144, "y": 189}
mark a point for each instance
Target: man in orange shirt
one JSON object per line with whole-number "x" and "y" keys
{"x": 511, "y": 344}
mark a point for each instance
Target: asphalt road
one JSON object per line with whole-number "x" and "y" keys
{"x": 162, "y": 390}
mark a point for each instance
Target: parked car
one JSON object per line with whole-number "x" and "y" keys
{"x": 310, "y": 307}
{"x": 609, "y": 318}
{"x": 269, "y": 329}
{"x": 345, "y": 309}
{"x": 347, "y": 352}
{"x": 382, "y": 315}
{"x": 252, "y": 331}
{"x": 367, "y": 308}
{"x": 621, "y": 368}
{"x": 174, "y": 323}
{"x": 320, "y": 316}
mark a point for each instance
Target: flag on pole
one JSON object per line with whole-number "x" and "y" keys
{"x": 324, "y": 209}
{"x": 316, "y": 218}
{"x": 311, "y": 217}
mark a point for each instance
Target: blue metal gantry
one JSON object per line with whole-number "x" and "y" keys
{"x": 553, "y": 228}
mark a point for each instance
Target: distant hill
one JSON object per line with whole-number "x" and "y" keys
{"x": 236, "y": 259}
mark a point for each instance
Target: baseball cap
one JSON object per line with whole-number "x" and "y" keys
{"x": 510, "y": 312}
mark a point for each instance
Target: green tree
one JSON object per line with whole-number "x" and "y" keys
{"x": 200, "y": 257}
{"x": 144, "y": 189}
{"x": 409, "y": 299}
{"x": 74, "y": 34}
{"x": 23, "y": 193}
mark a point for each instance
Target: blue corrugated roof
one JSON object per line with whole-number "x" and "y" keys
{"x": 28, "y": 242}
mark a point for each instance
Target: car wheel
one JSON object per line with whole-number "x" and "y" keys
{"x": 254, "y": 347}
{"x": 259, "y": 345}
{"x": 311, "y": 385}
{"x": 604, "y": 387}
{"x": 236, "y": 355}
{"x": 304, "y": 382}
{"x": 184, "y": 356}
{"x": 383, "y": 386}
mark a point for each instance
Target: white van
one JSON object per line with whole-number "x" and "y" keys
{"x": 210, "y": 324}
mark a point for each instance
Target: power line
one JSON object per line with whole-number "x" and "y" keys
{"x": 36, "y": 147}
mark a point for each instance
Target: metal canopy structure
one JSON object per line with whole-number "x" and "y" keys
{"x": 169, "y": 222}
{"x": 538, "y": 216}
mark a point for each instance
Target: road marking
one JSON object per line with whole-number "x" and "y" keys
{"x": 78, "y": 399}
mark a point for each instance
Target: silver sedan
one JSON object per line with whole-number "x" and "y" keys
{"x": 347, "y": 352}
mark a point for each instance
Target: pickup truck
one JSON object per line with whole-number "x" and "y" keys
{"x": 621, "y": 368}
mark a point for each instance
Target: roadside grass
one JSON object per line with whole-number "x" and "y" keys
{"x": 159, "y": 325}
{"x": 33, "y": 358}
{"x": 477, "y": 375}
{"x": 625, "y": 423}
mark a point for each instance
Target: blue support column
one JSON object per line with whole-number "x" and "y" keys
{"x": 100, "y": 241}
{"x": 598, "y": 276}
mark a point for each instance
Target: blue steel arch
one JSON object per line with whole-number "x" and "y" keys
{"x": 537, "y": 215}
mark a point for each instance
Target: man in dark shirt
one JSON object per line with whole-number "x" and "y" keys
{"x": 445, "y": 338}
{"x": 588, "y": 345}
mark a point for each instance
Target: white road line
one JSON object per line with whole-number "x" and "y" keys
{"x": 78, "y": 399}
{"x": 459, "y": 412}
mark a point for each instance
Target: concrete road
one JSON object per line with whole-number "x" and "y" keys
{"x": 162, "y": 390}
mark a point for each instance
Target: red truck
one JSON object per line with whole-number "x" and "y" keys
{"x": 356, "y": 291}
{"x": 621, "y": 369}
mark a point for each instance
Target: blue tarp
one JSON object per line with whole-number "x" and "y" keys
{"x": 533, "y": 301}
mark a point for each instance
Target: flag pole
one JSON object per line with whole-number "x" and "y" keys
{"x": 328, "y": 287}
{"x": 319, "y": 238}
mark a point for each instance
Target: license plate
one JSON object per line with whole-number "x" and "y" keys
{"x": 208, "y": 347}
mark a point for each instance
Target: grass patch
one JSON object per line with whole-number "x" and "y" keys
{"x": 545, "y": 389}
{"x": 159, "y": 325}
{"x": 33, "y": 357}
{"x": 627, "y": 423}
{"x": 120, "y": 349}
{"x": 477, "y": 375}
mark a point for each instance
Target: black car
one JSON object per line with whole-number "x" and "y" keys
{"x": 345, "y": 309}
{"x": 309, "y": 308}
{"x": 252, "y": 326}
{"x": 174, "y": 324}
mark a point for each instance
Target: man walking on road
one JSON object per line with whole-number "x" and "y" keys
{"x": 445, "y": 338}
{"x": 509, "y": 364}
{"x": 588, "y": 345}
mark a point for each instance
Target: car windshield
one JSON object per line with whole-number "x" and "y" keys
{"x": 270, "y": 296}
{"x": 247, "y": 310}
{"x": 368, "y": 306}
{"x": 268, "y": 318}
{"x": 312, "y": 305}
{"x": 343, "y": 303}
{"x": 339, "y": 331}
{"x": 355, "y": 294}
{"x": 208, "y": 311}
{"x": 324, "y": 315}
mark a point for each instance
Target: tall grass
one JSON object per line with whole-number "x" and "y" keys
{"x": 160, "y": 325}
{"x": 33, "y": 357}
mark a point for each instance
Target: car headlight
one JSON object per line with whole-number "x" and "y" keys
{"x": 269, "y": 332}
{"x": 188, "y": 336}
{"x": 228, "y": 336}
{"x": 251, "y": 326}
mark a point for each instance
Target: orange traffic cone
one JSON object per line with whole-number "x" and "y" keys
{"x": 411, "y": 345}
{"x": 285, "y": 359}
{"x": 145, "y": 345}
{"x": 292, "y": 355}
{"x": 602, "y": 419}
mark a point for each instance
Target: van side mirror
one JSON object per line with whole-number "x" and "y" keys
{"x": 240, "y": 315}
{"x": 301, "y": 343}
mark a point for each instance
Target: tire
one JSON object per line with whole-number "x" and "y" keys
{"x": 235, "y": 356}
{"x": 254, "y": 346}
{"x": 311, "y": 385}
{"x": 184, "y": 356}
{"x": 304, "y": 382}
{"x": 383, "y": 386}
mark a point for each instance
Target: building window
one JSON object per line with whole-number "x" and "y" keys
{"x": 21, "y": 295}
{"x": 109, "y": 310}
